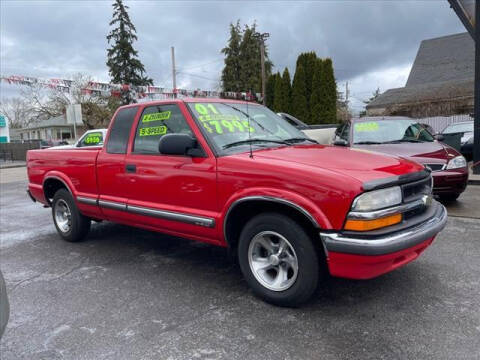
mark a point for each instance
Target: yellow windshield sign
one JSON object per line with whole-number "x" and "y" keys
{"x": 366, "y": 126}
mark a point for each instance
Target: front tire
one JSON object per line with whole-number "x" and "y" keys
{"x": 71, "y": 225}
{"x": 278, "y": 260}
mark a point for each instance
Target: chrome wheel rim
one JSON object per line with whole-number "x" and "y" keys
{"x": 273, "y": 261}
{"x": 63, "y": 216}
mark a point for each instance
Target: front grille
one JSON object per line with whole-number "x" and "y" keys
{"x": 416, "y": 190}
{"x": 435, "y": 167}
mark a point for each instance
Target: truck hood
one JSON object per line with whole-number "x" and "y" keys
{"x": 361, "y": 164}
{"x": 424, "y": 153}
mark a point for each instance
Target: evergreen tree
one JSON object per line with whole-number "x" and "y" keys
{"x": 286, "y": 91}
{"x": 328, "y": 93}
{"x": 278, "y": 98}
{"x": 248, "y": 62}
{"x": 270, "y": 89}
{"x": 315, "y": 99}
{"x": 122, "y": 59}
{"x": 299, "y": 99}
{"x": 309, "y": 62}
{"x": 231, "y": 71}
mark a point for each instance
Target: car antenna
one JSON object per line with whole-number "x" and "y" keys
{"x": 249, "y": 128}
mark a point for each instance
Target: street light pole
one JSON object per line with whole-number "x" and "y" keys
{"x": 261, "y": 38}
{"x": 476, "y": 123}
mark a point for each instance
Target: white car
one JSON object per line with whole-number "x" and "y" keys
{"x": 94, "y": 137}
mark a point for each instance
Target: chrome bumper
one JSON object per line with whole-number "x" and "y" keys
{"x": 386, "y": 244}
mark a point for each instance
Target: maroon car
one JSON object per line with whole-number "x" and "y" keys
{"x": 404, "y": 137}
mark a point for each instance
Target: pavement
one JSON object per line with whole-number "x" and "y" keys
{"x": 126, "y": 293}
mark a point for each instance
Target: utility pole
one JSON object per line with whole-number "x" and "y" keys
{"x": 262, "y": 56}
{"x": 174, "y": 73}
{"x": 476, "y": 126}
{"x": 347, "y": 94}
{"x": 261, "y": 38}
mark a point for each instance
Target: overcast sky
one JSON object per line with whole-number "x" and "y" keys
{"x": 372, "y": 43}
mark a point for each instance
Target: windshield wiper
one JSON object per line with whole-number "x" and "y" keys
{"x": 368, "y": 143}
{"x": 300, "y": 139}
{"x": 249, "y": 141}
{"x": 403, "y": 140}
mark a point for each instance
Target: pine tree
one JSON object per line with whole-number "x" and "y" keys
{"x": 328, "y": 98}
{"x": 315, "y": 99}
{"x": 231, "y": 71}
{"x": 286, "y": 91}
{"x": 122, "y": 59}
{"x": 270, "y": 89}
{"x": 123, "y": 64}
{"x": 278, "y": 99}
{"x": 299, "y": 99}
{"x": 248, "y": 59}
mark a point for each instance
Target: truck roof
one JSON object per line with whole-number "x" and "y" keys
{"x": 191, "y": 100}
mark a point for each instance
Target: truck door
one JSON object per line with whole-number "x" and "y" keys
{"x": 111, "y": 175}
{"x": 170, "y": 193}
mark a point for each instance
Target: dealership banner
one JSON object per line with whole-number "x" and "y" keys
{"x": 139, "y": 93}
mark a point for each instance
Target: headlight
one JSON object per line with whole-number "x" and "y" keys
{"x": 457, "y": 162}
{"x": 378, "y": 199}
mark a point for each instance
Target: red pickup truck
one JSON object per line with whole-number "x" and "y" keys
{"x": 236, "y": 175}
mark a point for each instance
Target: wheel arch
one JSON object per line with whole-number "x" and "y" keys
{"x": 52, "y": 183}
{"x": 245, "y": 208}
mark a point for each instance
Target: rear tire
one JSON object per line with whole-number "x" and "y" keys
{"x": 71, "y": 225}
{"x": 278, "y": 260}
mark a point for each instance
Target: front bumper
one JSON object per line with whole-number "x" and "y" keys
{"x": 363, "y": 258}
{"x": 450, "y": 181}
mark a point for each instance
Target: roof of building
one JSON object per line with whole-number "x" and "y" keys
{"x": 447, "y": 58}
{"x": 54, "y": 121}
{"x": 428, "y": 92}
{"x": 443, "y": 69}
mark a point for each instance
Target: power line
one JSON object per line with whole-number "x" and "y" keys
{"x": 198, "y": 66}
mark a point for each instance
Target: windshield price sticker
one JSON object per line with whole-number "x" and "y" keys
{"x": 93, "y": 138}
{"x": 214, "y": 122}
{"x": 165, "y": 115}
{"x": 155, "y": 130}
{"x": 366, "y": 126}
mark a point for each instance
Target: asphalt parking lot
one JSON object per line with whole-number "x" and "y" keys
{"x": 131, "y": 294}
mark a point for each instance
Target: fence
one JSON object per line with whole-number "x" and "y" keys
{"x": 17, "y": 151}
{"x": 438, "y": 123}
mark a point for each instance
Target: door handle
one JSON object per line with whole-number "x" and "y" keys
{"x": 131, "y": 168}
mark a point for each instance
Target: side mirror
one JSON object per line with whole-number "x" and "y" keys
{"x": 178, "y": 144}
{"x": 340, "y": 142}
{"x": 439, "y": 137}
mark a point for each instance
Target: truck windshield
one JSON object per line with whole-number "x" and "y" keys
{"x": 233, "y": 127}
{"x": 389, "y": 131}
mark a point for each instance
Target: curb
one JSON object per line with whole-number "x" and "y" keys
{"x": 12, "y": 166}
{"x": 473, "y": 182}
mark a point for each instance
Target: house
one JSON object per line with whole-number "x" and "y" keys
{"x": 441, "y": 81}
{"x": 55, "y": 128}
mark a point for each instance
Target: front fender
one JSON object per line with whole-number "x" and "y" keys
{"x": 301, "y": 203}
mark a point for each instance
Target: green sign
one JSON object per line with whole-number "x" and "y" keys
{"x": 3, "y": 122}
{"x": 3, "y": 139}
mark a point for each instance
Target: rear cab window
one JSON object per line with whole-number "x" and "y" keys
{"x": 120, "y": 131}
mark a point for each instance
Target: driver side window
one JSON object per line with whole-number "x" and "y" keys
{"x": 155, "y": 122}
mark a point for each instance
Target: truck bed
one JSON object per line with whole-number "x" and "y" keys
{"x": 76, "y": 167}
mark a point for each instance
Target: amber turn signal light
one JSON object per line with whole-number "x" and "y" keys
{"x": 366, "y": 225}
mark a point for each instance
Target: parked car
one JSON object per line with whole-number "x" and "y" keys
{"x": 4, "y": 306}
{"x": 238, "y": 176}
{"x": 404, "y": 137}
{"x": 465, "y": 130}
{"x": 90, "y": 138}
{"x": 46, "y": 144}
{"x": 323, "y": 133}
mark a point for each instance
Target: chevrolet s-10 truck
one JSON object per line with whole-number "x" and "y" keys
{"x": 235, "y": 174}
